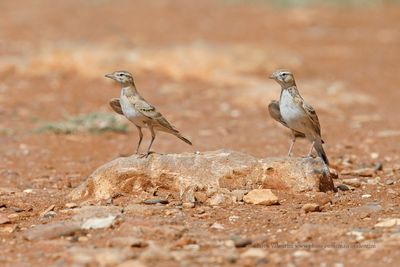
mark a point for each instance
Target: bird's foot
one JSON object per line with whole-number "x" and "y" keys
{"x": 146, "y": 155}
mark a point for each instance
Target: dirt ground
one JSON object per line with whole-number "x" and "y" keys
{"x": 204, "y": 64}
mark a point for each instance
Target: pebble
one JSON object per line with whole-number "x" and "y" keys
{"x": 301, "y": 254}
{"x": 261, "y": 197}
{"x": 366, "y": 196}
{"x": 188, "y": 205}
{"x": 217, "y": 226}
{"x": 50, "y": 231}
{"x": 389, "y": 182}
{"x": 97, "y": 223}
{"x": 44, "y": 213}
{"x": 155, "y": 201}
{"x": 352, "y": 182}
{"x": 241, "y": 242}
{"x": 257, "y": 253}
{"x": 28, "y": 191}
{"x": 233, "y": 218}
{"x": 216, "y": 199}
{"x": 343, "y": 187}
{"x": 310, "y": 207}
{"x": 389, "y": 223}
{"x": 71, "y": 205}
{"x": 239, "y": 194}
{"x": 4, "y": 219}
{"x": 128, "y": 241}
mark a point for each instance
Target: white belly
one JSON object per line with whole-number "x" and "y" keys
{"x": 130, "y": 113}
{"x": 293, "y": 114}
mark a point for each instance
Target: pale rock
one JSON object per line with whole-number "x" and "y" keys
{"x": 310, "y": 207}
{"x": 217, "y": 226}
{"x": 388, "y": 223}
{"x": 4, "y": 219}
{"x": 189, "y": 172}
{"x": 261, "y": 197}
{"x": 256, "y": 253}
{"x": 98, "y": 223}
{"x": 352, "y": 182}
{"x": 50, "y": 231}
{"x": 87, "y": 212}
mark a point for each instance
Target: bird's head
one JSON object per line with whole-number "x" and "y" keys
{"x": 123, "y": 77}
{"x": 284, "y": 77}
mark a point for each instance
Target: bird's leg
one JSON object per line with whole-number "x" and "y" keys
{"x": 153, "y": 136}
{"x": 311, "y": 148}
{"x": 292, "y": 144}
{"x": 140, "y": 139}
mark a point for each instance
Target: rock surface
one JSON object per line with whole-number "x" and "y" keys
{"x": 188, "y": 173}
{"x": 261, "y": 197}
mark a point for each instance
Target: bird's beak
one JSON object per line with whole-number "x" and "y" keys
{"x": 272, "y": 76}
{"x": 110, "y": 75}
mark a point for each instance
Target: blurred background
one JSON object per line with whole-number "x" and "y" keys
{"x": 204, "y": 65}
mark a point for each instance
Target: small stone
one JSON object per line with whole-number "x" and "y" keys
{"x": 301, "y": 254}
{"x": 216, "y": 199}
{"x": 378, "y": 166}
{"x": 358, "y": 234}
{"x": 388, "y": 223}
{"x": 233, "y": 218}
{"x": 343, "y": 187}
{"x": 97, "y": 223}
{"x": 127, "y": 242}
{"x": 28, "y": 191}
{"x": 256, "y": 253}
{"x": 352, "y": 182}
{"x": 71, "y": 205}
{"x": 13, "y": 215}
{"x": 322, "y": 199}
{"x": 261, "y": 197}
{"x": 366, "y": 196}
{"x": 43, "y": 214}
{"x": 17, "y": 209}
{"x": 4, "y": 219}
{"x": 49, "y": 214}
{"x": 389, "y": 182}
{"x": 188, "y": 205}
{"x": 239, "y": 194}
{"x": 50, "y": 231}
{"x": 241, "y": 242}
{"x": 364, "y": 172}
{"x": 155, "y": 201}
{"x": 200, "y": 196}
{"x": 184, "y": 241}
{"x": 217, "y": 226}
{"x": 310, "y": 207}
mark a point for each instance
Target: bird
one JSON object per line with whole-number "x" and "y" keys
{"x": 297, "y": 114}
{"x": 137, "y": 110}
{"x": 275, "y": 113}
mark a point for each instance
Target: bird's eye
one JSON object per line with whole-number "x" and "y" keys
{"x": 283, "y": 74}
{"x": 121, "y": 74}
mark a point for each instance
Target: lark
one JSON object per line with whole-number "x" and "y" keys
{"x": 297, "y": 114}
{"x": 137, "y": 110}
{"x": 275, "y": 113}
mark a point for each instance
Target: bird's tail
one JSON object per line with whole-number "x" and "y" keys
{"x": 321, "y": 152}
{"x": 184, "y": 139}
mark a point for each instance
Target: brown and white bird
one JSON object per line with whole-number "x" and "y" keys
{"x": 275, "y": 113}
{"x": 297, "y": 114}
{"x": 136, "y": 109}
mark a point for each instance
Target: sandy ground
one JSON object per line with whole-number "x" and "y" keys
{"x": 204, "y": 64}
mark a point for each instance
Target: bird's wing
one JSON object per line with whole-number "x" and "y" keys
{"x": 275, "y": 112}
{"x": 312, "y": 115}
{"x": 116, "y": 106}
{"x": 151, "y": 112}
